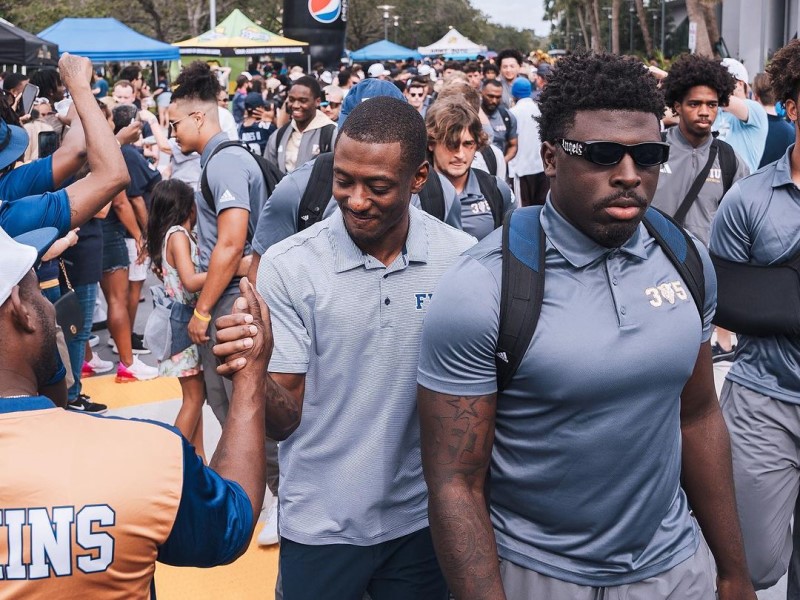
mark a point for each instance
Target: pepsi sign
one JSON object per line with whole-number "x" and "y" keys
{"x": 325, "y": 11}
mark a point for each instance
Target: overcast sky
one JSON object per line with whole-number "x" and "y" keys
{"x": 522, "y": 14}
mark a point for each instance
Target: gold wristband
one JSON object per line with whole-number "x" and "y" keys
{"x": 203, "y": 318}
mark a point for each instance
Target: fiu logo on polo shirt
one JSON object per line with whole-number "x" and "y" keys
{"x": 42, "y": 543}
{"x": 421, "y": 298}
{"x": 669, "y": 292}
{"x": 714, "y": 176}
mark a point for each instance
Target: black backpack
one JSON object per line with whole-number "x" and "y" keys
{"x": 490, "y": 159}
{"x": 319, "y": 190}
{"x": 523, "y": 279}
{"x": 490, "y": 191}
{"x": 325, "y": 136}
{"x": 272, "y": 176}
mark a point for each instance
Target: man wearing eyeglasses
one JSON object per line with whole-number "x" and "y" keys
{"x": 609, "y": 429}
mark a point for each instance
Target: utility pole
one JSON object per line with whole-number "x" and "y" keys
{"x": 663, "y": 20}
{"x": 212, "y": 13}
{"x": 385, "y": 8}
{"x": 630, "y": 10}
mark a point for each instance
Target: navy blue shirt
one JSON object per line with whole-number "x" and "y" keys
{"x": 779, "y": 137}
{"x": 84, "y": 260}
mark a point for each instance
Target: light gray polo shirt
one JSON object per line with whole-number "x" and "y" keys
{"x": 279, "y": 215}
{"x": 759, "y": 223}
{"x": 476, "y": 212}
{"x": 586, "y": 463}
{"x": 235, "y": 181}
{"x": 678, "y": 175}
{"x": 351, "y": 473}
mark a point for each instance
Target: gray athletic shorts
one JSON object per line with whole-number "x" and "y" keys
{"x": 765, "y": 447}
{"x": 693, "y": 579}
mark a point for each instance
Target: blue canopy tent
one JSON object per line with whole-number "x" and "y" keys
{"x": 105, "y": 40}
{"x": 384, "y": 50}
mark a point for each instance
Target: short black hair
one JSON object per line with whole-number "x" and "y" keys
{"x": 197, "y": 82}
{"x": 48, "y": 81}
{"x": 12, "y": 80}
{"x": 384, "y": 120}
{"x": 452, "y": 64}
{"x": 509, "y": 53}
{"x": 131, "y": 73}
{"x": 495, "y": 82}
{"x": 691, "y": 70}
{"x": 310, "y": 83}
{"x": 784, "y": 70}
{"x": 122, "y": 115}
{"x": 583, "y": 82}
{"x": 472, "y": 67}
{"x": 490, "y": 67}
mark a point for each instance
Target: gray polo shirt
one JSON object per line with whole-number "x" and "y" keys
{"x": 678, "y": 175}
{"x": 235, "y": 181}
{"x": 498, "y": 133}
{"x": 759, "y": 223}
{"x": 279, "y": 215}
{"x": 476, "y": 212}
{"x": 586, "y": 463}
{"x": 351, "y": 473}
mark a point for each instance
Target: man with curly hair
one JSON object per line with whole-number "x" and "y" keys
{"x": 596, "y": 454}
{"x": 696, "y": 89}
{"x": 758, "y": 223}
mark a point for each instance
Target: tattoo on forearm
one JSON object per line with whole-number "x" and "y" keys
{"x": 464, "y": 436}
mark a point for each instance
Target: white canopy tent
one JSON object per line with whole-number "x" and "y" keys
{"x": 454, "y": 44}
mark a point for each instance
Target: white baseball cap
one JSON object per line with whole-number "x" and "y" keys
{"x": 425, "y": 70}
{"x": 737, "y": 69}
{"x": 18, "y": 255}
{"x": 377, "y": 70}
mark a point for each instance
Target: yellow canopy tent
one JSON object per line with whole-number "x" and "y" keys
{"x": 237, "y": 35}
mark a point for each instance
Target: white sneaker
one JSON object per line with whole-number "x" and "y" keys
{"x": 138, "y": 371}
{"x": 93, "y": 341}
{"x": 98, "y": 365}
{"x": 269, "y": 534}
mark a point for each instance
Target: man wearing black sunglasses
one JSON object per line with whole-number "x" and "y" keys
{"x": 609, "y": 429}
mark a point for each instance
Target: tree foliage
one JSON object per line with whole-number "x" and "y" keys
{"x": 419, "y": 23}
{"x": 606, "y": 25}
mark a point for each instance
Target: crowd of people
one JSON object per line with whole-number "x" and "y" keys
{"x": 454, "y": 318}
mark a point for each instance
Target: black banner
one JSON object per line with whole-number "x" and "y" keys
{"x": 321, "y": 23}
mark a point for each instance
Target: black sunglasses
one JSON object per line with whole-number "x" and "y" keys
{"x": 646, "y": 154}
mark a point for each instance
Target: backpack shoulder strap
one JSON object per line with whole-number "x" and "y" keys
{"x": 521, "y": 289}
{"x": 490, "y": 159}
{"x": 431, "y": 196}
{"x": 681, "y": 251}
{"x": 505, "y": 115}
{"x": 326, "y": 137}
{"x": 204, "y": 189}
{"x": 492, "y": 193}
{"x": 727, "y": 164}
{"x": 317, "y": 193}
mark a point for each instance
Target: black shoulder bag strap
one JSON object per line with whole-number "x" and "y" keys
{"x": 699, "y": 182}
{"x": 490, "y": 159}
{"x": 204, "y": 189}
{"x": 318, "y": 192}
{"x": 490, "y": 191}
{"x": 727, "y": 164}
{"x": 326, "y": 137}
{"x": 431, "y": 196}
{"x": 521, "y": 290}
{"x": 679, "y": 247}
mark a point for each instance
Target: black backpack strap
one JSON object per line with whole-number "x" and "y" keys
{"x": 727, "y": 164}
{"x": 490, "y": 159}
{"x": 680, "y": 214}
{"x": 681, "y": 251}
{"x": 205, "y": 191}
{"x": 521, "y": 289}
{"x": 492, "y": 193}
{"x": 318, "y": 192}
{"x": 506, "y": 116}
{"x": 326, "y": 137}
{"x": 431, "y": 196}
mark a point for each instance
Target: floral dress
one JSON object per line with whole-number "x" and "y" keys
{"x": 187, "y": 362}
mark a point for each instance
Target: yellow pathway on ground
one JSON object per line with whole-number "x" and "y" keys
{"x": 252, "y": 576}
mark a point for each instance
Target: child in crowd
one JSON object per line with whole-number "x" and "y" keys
{"x": 175, "y": 260}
